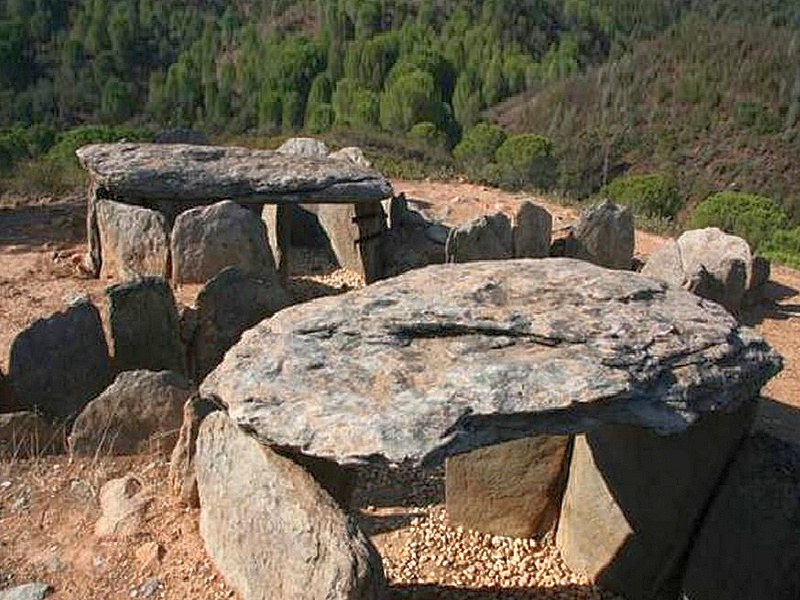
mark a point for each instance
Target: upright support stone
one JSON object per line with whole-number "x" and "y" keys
{"x": 278, "y": 222}
{"x": 93, "y": 254}
{"x": 634, "y": 500}
{"x": 512, "y": 489}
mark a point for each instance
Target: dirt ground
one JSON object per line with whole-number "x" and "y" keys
{"x": 48, "y": 505}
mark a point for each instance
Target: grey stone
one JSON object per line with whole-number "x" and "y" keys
{"x": 180, "y": 172}
{"x": 709, "y": 263}
{"x": 134, "y": 240}
{"x": 269, "y": 527}
{"x": 748, "y": 546}
{"x": 604, "y": 235}
{"x": 486, "y": 238}
{"x": 449, "y": 358}
{"x": 123, "y": 503}
{"x": 145, "y": 331}
{"x": 207, "y": 239}
{"x": 304, "y": 146}
{"x": 60, "y": 363}
{"x": 141, "y": 412}
{"x": 533, "y": 228}
{"x": 437, "y": 233}
{"x": 26, "y": 435}
{"x": 512, "y": 489}
{"x": 227, "y": 306}
{"x": 634, "y": 498}
{"x": 182, "y": 477}
{"x": 353, "y": 154}
{"x": 27, "y": 591}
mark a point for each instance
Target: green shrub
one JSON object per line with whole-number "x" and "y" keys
{"x": 754, "y": 218}
{"x": 320, "y": 118}
{"x": 653, "y": 195}
{"x": 526, "y": 160}
{"x": 478, "y": 147}
{"x": 69, "y": 141}
{"x": 783, "y": 247}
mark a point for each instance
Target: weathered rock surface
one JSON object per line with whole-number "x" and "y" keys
{"x": 60, "y": 363}
{"x": 450, "y": 358}
{"x": 271, "y": 530}
{"x": 134, "y": 240}
{"x": 175, "y": 172}
{"x": 709, "y": 263}
{"x": 354, "y": 154}
{"x": 304, "y": 146}
{"x": 486, "y": 238}
{"x": 26, "y": 434}
{"x": 144, "y": 325}
{"x": 634, "y": 498}
{"x": 207, "y": 239}
{"x": 27, "y": 591}
{"x": 141, "y": 412}
{"x": 748, "y": 546}
{"x": 123, "y": 503}
{"x": 182, "y": 476}
{"x": 512, "y": 489}
{"x": 227, "y": 306}
{"x": 532, "y": 231}
{"x": 604, "y": 235}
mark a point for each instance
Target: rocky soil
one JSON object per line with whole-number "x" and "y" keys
{"x": 48, "y": 506}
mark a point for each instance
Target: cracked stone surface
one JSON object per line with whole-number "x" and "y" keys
{"x": 449, "y": 358}
{"x": 182, "y": 172}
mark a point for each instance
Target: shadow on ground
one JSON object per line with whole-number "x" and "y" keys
{"x": 778, "y": 420}
{"x": 769, "y": 308}
{"x": 445, "y": 592}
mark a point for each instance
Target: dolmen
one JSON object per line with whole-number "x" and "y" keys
{"x": 155, "y": 205}
{"x": 561, "y": 395}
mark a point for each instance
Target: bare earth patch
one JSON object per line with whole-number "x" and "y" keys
{"x": 48, "y": 506}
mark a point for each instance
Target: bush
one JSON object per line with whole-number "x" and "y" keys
{"x": 653, "y": 195}
{"x": 526, "y": 159}
{"x": 478, "y": 147}
{"x": 783, "y": 247}
{"x": 69, "y": 141}
{"x": 754, "y": 218}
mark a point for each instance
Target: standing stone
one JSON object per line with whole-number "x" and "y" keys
{"x": 134, "y": 240}
{"x": 353, "y": 154}
{"x": 270, "y": 528}
{"x": 512, "y": 489}
{"x": 533, "y": 228}
{"x": 634, "y": 498}
{"x": 227, "y": 306}
{"x": 207, "y": 239}
{"x": 145, "y": 331}
{"x": 182, "y": 476}
{"x": 748, "y": 546}
{"x": 26, "y": 434}
{"x": 60, "y": 363}
{"x": 604, "y": 235}
{"x": 141, "y": 412}
{"x": 356, "y": 232}
{"x": 304, "y": 146}
{"x": 486, "y": 238}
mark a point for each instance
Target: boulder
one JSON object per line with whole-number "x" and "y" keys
{"x": 141, "y": 412}
{"x": 604, "y": 235}
{"x": 134, "y": 241}
{"x": 304, "y": 146}
{"x": 533, "y": 228}
{"x": 628, "y": 525}
{"x": 60, "y": 363}
{"x": 182, "y": 477}
{"x": 207, "y": 239}
{"x": 27, "y": 435}
{"x": 145, "y": 331}
{"x": 709, "y": 263}
{"x": 352, "y": 154}
{"x": 449, "y": 358}
{"x": 748, "y": 546}
{"x": 512, "y": 489}
{"x": 269, "y": 527}
{"x": 227, "y": 306}
{"x": 27, "y": 591}
{"x": 123, "y": 503}
{"x": 486, "y": 238}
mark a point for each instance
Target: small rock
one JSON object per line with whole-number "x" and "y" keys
{"x": 353, "y": 154}
{"x": 149, "y": 588}
{"x": 123, "y": 502}
{"x": 28, "y": 591}
{"x": 149, "y": 554}
{"x": 486, "y": 238}
{"x": 304, "y": 146}
{"x": 533, "y": 228}
{"x": 604, "y": 235}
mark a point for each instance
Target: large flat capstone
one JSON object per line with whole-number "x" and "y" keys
{"x": 182, "y": 172}
{"x": 449, "y": 358}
